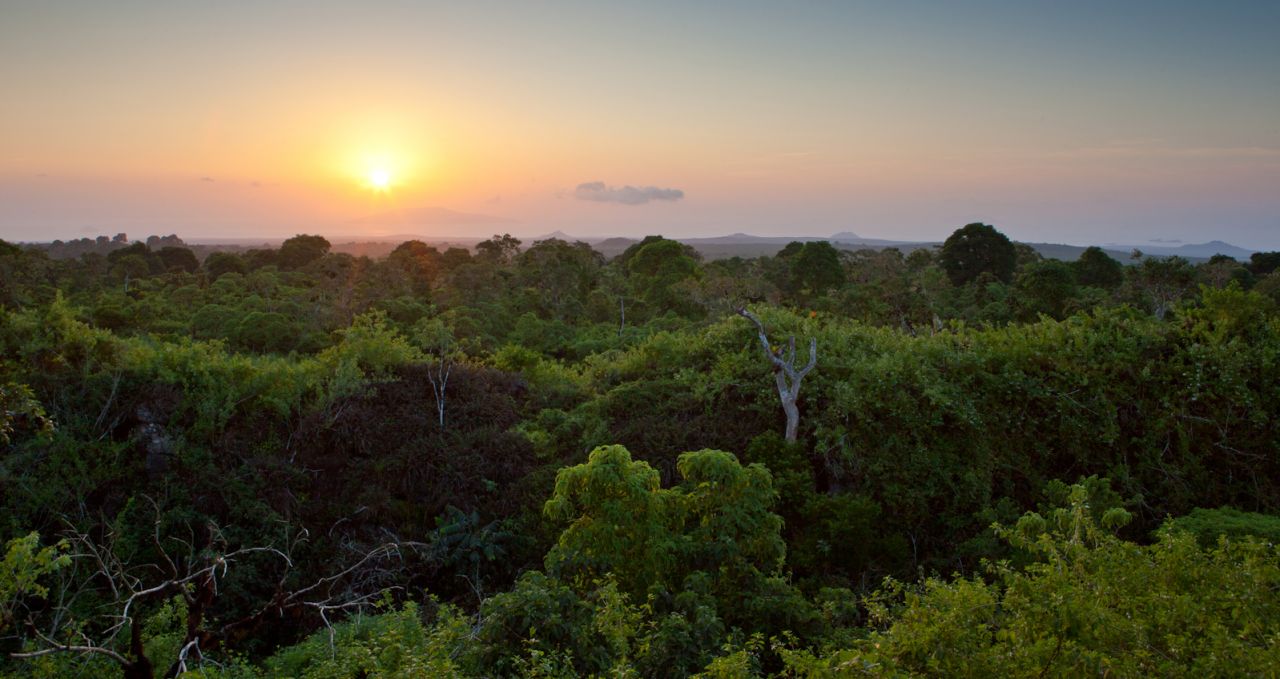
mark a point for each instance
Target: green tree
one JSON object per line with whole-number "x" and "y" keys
{"x": 499, "y": 250}
{"x": 1097, "y": 269}
{"x": 976, "y": 249}
{"x": 420, "y": 261}
{"x": 1162, "y": 282}
{"x": 302, "y": 250}
{"x": 1047, "y": 287}
{"x": 817, "y": 268}
{"x": 1264, "y": 263}
{"x": 178, "y": 258}
{"x": 657, "y": 269}
{"x": 219, "y": 263}
{"x": 619, "y": 522}
{"x": 24, "y": 565}
{"x": 563, "y": 275}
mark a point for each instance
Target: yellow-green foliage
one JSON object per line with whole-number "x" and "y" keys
{"x": 25, "y": 563}
{"x": 396, "y": 644}
{"x": 1092, "y": 605}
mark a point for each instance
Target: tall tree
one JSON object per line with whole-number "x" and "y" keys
{"x": 563, "y": 274}
{"x": 499, "y": 249}
{"x": 1097, "y": 269}
{"x": 301, "y": 250}
{"x": 655, "y": 271}
{"x": 1163, "y": 281}
{"x": 437, "y": 341}
{"x": 976, "y": 249}
{"x": 173, "y": 257}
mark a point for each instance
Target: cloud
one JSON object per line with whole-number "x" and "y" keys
{"x": 626, "y": 195}
{"x": 1159, "y": 149}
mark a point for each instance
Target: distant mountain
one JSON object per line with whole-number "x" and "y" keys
{"x": 558, "y": 235}
{"x": 427, "y": 216}
{"x": 1191, "y": 250}
{"x": 748, "y": 239}
{"x": 845, "y": 236}
{"x": 1070, "y": 253}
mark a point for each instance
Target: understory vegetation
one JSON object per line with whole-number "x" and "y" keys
{"x": 525, "y": 460}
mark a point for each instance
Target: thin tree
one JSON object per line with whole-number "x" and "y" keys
{"x": 437, "y": 341}
{"x": 785, "y": 374}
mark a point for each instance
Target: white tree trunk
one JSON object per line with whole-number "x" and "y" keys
{"x": 785, "y": 374}
{"x": 438, "y": 375}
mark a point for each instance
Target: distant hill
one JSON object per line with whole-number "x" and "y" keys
{"x": 1070, "y": 253}
{"x": 558, "y": 235}
{"x": 1192, "y": 250}
{"x": 716, "y": 247}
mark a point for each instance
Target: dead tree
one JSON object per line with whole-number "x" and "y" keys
{"x": 195, "y": 576}
{"x": 438, "y": 343}
{"x": 438, "y": 376}
{"x": 786, "y": 375}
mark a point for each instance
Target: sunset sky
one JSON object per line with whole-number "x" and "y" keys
{"x": 1079, "y": 122}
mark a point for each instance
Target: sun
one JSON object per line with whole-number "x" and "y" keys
{"x": 379, "y": 178}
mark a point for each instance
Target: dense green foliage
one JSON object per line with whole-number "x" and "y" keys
{"x": 290, "y": 462}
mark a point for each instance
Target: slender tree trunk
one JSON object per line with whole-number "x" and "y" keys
{"x": 438, "y": 375}
{"x": 785, "y": 374}
{"x": 790, "y": 408}
{"x": 140, "y": 667}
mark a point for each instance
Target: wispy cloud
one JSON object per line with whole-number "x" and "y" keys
{"x": 1156, "y": 148}
{"x": 626, "y": 195}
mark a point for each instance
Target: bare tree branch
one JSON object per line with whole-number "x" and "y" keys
{"x": 786, "y": 376}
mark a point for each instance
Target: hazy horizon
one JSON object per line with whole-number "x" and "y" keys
{"x": 1081, "y": 124}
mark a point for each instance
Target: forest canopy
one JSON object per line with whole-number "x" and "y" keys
{"x": 527, "y": 459}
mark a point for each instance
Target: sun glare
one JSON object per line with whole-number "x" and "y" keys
{"x": 380, "y": 178}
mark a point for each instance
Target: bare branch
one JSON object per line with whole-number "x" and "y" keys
{"x": 55, "y": 647}
{"x": 785, "y": 374}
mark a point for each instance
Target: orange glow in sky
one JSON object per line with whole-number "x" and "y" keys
{"x": 892, "y": 120}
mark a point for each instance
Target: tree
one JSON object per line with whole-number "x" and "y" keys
{"x": 1263, "y": 263}
{"x": 656, "y": 269}
{"x": 302, "y": 250}
{"x": 194, "y": 579}
{"x": 1097, "y": 269}
{"x": 618, "y": 521}
{"x": 178, "y": 258}
{"x": 1163, "y": 281}
{"x": 19, "y": 409}
{"x": 1048, "y": 287}
{"x": 23, "y": 566}
{"x": 623, "y": 261}
{"x": 219, "y": 263}
{"x": 563, "y": 274}
{"x": 453, "y": 258}
{"x": 813, "y": 268}
{"x": 500, "y": 250}
{"x": 621, "y": 522}
{"x": 437, "y": 341}
{"x": 420, "y": 261}
{"x": 786, "y": 375}
{"x": 976, "y": 249}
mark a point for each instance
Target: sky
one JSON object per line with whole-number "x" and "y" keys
{"x": 1076, "y": 122}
